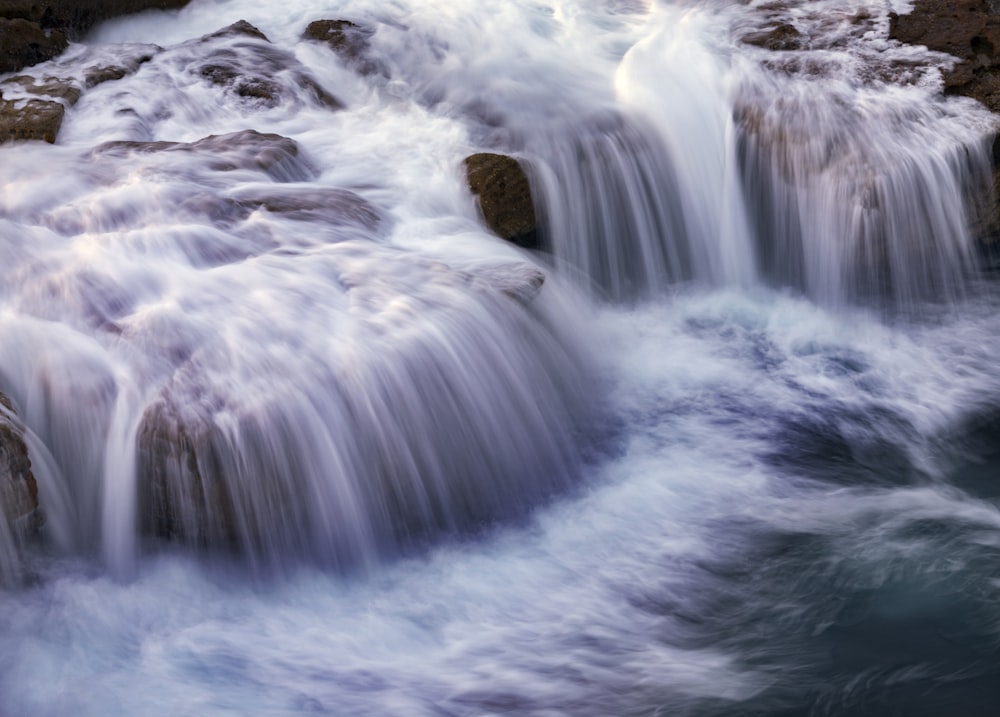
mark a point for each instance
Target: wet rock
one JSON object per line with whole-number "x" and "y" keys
{"x": 52, "y": 87}
{"x": 99, "y": 75}
{"x": 75, "y": 17}
{"x": 24, "y": 43}
{"x": 350, "y": 41}
{"x": 247, "y": 149}
{"x": 504, "y": 194}
{"x": 517, "y": 280}
{"x": 329, "y": 205}
{"x": 240, "y": 27}
{"x": 180, "y": 493}
{"x": 18, "y": 488}
{"x": 967, "y": 29}
{"x": 247, "y": 65}
{"x": 31, "y": 119}
{"x": 781, "y": 37}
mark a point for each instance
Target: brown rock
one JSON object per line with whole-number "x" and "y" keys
{"x": 53, "y": 87}
{"x": 33, "y": 119}
{"x": 78, "y": 16}
{"x": 18, "y": 488}
{"x": 967, "y": 29}
{"x": 240, "y": 27}
{"x": 344, "y": 37}
{"x": 504, "y": 194}
{"x": 24, "y": 43}
{"x": 781, "y": 37}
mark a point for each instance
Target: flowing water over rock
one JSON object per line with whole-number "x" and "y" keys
{"x": 309, "y": 438}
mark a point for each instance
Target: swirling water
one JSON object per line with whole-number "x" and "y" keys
{"x": 737, "y": 455}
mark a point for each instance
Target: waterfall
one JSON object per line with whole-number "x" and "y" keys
{"x": 308, "y": 437}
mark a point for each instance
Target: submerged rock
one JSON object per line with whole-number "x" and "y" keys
{"x": 504, "y": 194}
{"x": 18, "y": 489}
{"x": 245, "y": 63}
{"x": 247, "y": 149}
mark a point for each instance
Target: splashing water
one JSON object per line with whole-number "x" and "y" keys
{"x": 307, "y": 438}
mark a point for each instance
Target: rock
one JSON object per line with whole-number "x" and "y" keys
{"x": 349, "y": 40}
{"x": 33, "y": 31}
{"x": 52, "y": 87}
{"x": 247, "y": 149}
{"x": 18, "y": 488}
{"x": 516, "y": 280}
{"x": 240, "y": 27}
{"x": 176, "y": 497}
{"x": 781, "y": 37}
{"x": 31, "y": 119}
{"x": 332, "y": 206}
{"x": 76, "y": 17}
{"x": 24, "y": 43}
{"x": 967, "y": 29}
{"x": 504, "y": 195}
{"x": 251, "y": 68}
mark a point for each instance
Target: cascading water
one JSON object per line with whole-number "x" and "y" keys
{"x": 308, "y": 439}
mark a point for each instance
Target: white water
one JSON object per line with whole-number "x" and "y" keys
{"x": 423, "y": 495}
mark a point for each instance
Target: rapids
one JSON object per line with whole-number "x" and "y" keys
{"x": 309, "y": 439}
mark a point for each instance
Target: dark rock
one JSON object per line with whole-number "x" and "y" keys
{"x": 349, "y": 40}
{"x": 99, "y": 75}
{"x": 967, "y": 29}
{"x": 18, "y": 488}
{"x": 504, "y": 194}
{"x": 180, "y": 493}
{"x": 78, "y": 16}
{"x": 251, "y": 66}
{"x": 781, "y": 37}
{"x": 31, "y": 119}
{"x": 240, "y": 27}
{"x": 24, "y": 43}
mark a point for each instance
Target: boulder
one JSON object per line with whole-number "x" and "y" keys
{"x": 24, "y": 43}
{"x": 18, "y": 489}
{"x": 504, "y": 194}
{"x": 31, "y": 119}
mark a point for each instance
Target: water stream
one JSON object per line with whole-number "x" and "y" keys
{"x": 309, "y": 439}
